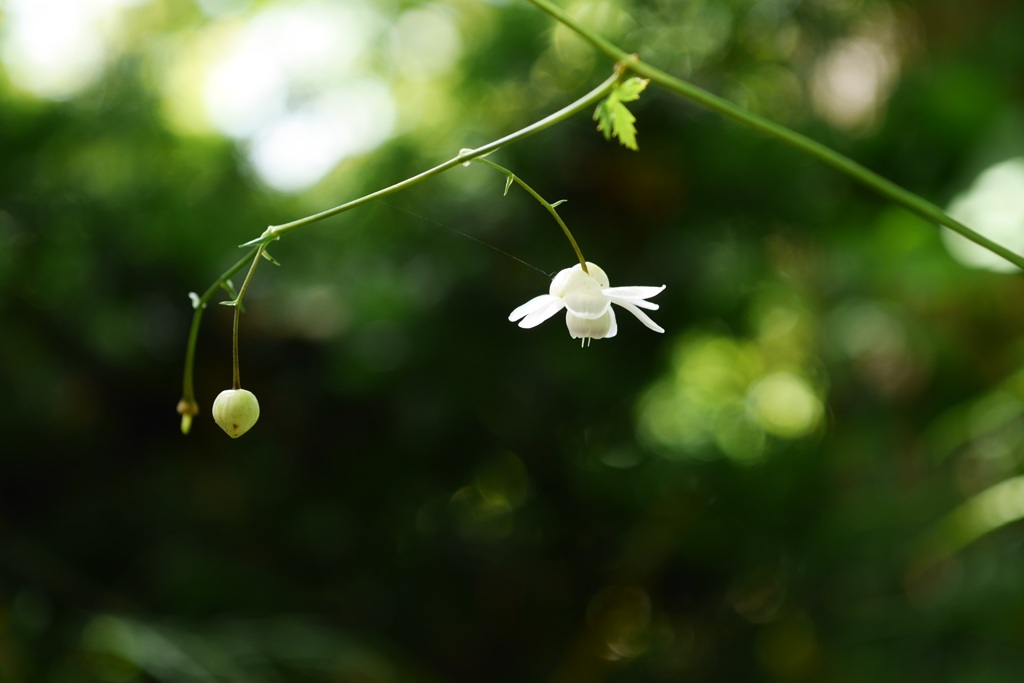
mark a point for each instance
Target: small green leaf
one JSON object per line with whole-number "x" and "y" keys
{"x": 508, "y": 184}
{"x": 614, "y": 118}
{"x": 231, "y": 303}
{"x": 270, "y": 258}
{"x": 622, "y": 126}
{"x": 630, "y": 90}
{"x": 604, "y": 118}
{"x": 559, "y": 203}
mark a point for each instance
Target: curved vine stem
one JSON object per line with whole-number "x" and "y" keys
{"x": 885, "y": 187}
{"x": 585, "y": 102}
{"x": 187, "y": 406}
{"x": 513, "y": 178}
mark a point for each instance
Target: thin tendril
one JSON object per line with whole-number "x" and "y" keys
{"x": 547, "y": 205}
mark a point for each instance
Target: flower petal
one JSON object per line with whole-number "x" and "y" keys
{"x": 589, "y": 305}
{"x": 583, "y": 295}
{"x": 529, "y": 307}
{"x": 639, "y": 303}
{"x": 640, "y": 315}
{"x": 536, "y": 310}
{"x": 636, "y": 295}
{"x": 589, "y": 328}
{"x": 562, "y": 281}
{"x": 598, "y": 274}
{"x": 613, "y": 328}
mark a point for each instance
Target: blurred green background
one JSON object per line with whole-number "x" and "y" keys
{"x": 814, "y": 475}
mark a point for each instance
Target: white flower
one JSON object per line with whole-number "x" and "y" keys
{"x": 588, "y": 301}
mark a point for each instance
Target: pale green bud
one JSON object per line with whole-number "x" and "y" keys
{"x": 236, "y": 411}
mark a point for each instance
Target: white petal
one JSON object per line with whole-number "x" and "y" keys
{"x": 537, "y": 310}
{"x": 583, "y": 296}
{"x": 640, "y": 315}
{"x": 613, "y": 329}
{"x": 589, "y": 305}
{"x": 597, "y": 272}
{"x": 529, "y": 307}
{"x": 639, "y": 303}
{"x": 562, "y": 280}
{"x": 588, "y": 328}
{"x": 634, "y": 294}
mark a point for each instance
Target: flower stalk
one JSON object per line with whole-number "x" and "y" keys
{"x": 551, "y": 208}
{"x": 237, "y": 304}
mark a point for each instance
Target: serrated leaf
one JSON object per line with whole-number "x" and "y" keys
{"x": 622, "y": 126}
{"x": 603, "y": 117}
{"x": 614, "y": 118}
{"x": 630, "y": 90}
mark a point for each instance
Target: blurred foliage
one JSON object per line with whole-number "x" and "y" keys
{"x": 815, "y": 475}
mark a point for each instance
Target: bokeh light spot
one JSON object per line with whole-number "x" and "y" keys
{"x": 288, "y": 81}
{"x": 993, "y": 206}
{"x": 726, "y": 396}
{"x": 244, "y": 91}
{"x": 785, "y": 405}
{"x": 297, "y": 149}
{"x": 426, "y": 42}
{"x": 56, "y": 48}
{"x": 855, "y": 77}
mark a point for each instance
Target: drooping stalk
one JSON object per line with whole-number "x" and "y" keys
{"x": 513, "y": 178}
{"x": 236, "y": 379}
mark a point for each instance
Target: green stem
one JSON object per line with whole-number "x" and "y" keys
{"x": 589, "y": 100}
{"x": 550, "y": 207}
{"x": 236, "y": 379}
{"x": 188, "y": 407}
{"x": 886, "y": 188}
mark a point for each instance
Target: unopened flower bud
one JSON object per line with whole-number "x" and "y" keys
{"x": 236, "y": 411}
{"x": 187, "y": 408}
